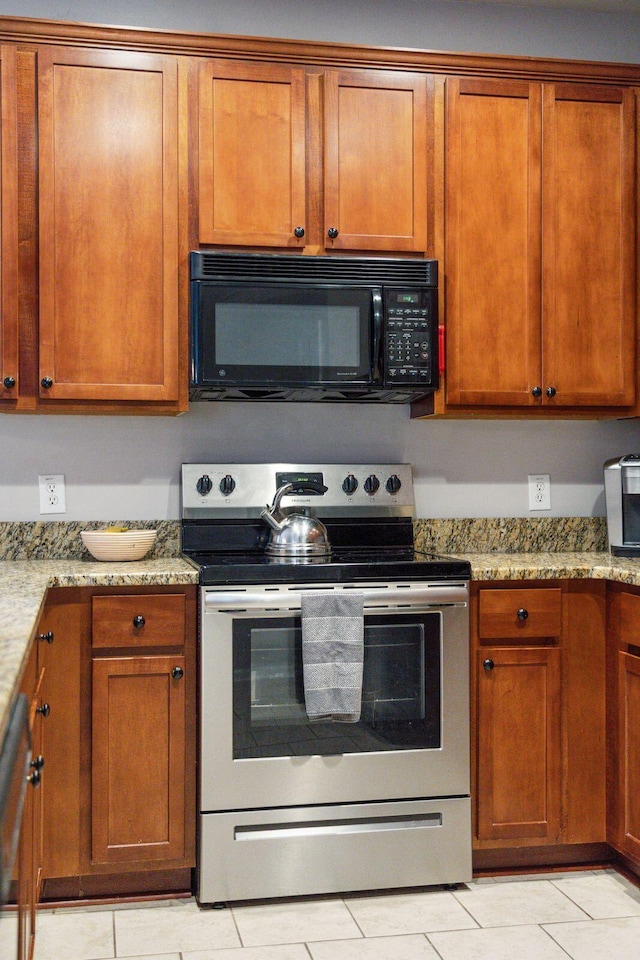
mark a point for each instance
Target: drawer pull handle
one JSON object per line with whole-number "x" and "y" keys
{"x": 138, "y": 622}
{"x": 48, "y": 636}
{"x": 488, "y": 664}
{"x": 522, "y": 614}
{"x": 177, "y": 673}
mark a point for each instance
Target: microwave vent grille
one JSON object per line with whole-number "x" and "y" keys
{"x": 275, "y": 268}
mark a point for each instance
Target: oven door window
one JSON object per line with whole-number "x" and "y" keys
{"x": 401, "y": 690}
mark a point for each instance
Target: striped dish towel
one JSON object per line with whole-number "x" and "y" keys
{"x": 332, "y": 655}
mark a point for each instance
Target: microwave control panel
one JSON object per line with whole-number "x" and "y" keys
{"x": 410, "y": 319}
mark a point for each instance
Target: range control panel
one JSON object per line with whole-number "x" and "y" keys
{"x": 411, "y": 319}
{"x": 239, "y": 490}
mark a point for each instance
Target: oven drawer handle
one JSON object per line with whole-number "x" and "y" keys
{"x": 407, "y": 597}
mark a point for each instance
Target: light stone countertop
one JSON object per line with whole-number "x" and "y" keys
{"x": 24, "y": 583}
{"x": 23, "y": 588}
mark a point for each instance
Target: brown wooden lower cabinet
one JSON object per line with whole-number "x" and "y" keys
{"x": 538, "y": 722}
{"x": 519, "y": 744}
{"x": 119, "y": 805}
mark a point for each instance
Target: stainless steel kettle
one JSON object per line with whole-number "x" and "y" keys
{"x": 295, "y": 536}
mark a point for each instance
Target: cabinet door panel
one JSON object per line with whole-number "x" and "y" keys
{"x": 252, "y": 153}
{"x": 588, "y": 243}
{"x": 9, "y": 216}
{"x": 108, "y": 225}
{"x": 629, "y": 753}
{"x": 492, "y": 284}
{"x": 375, "y": 161}
{"x": 519, "y": 758}
{"x": 138, "y": 759}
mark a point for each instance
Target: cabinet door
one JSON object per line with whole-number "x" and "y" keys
{"x": 519, "y": 759}
{"x": 138, "y": 759}
{"x": 252, "y": 154}
{"x": 9, "y": 218}
{"x": 375, "y": 161}
{"x": 492, "y": 284}
{"x": 629, "y": 753}
{"x": 108, "y": 155}
{"x": 588, "y": 218}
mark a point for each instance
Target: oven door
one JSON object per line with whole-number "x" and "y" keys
{"x": 258, "y": 747}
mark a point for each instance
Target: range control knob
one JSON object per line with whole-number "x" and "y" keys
{"x": 350, "y": 484}
{"x": 227, "y": 485}
{"x": 204, "y": 484}
{"x": 371, "y": 484}
{"x": 393, "y": 484}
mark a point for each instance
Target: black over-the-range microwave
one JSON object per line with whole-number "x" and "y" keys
{"x": 294, "y": 327}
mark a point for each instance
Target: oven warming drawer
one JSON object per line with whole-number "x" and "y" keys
{"x": 330, "y": 849}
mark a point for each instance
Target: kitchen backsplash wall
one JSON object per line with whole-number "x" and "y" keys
{"x": 129, "y": 467}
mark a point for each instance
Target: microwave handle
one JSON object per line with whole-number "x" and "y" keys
{"x": 378, "y": 335}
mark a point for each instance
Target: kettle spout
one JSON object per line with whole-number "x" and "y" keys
{"x": 268, "y": 517}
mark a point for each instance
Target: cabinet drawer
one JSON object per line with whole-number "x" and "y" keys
{"x": 138, "y": 621}
{"x": 519, "y": 614}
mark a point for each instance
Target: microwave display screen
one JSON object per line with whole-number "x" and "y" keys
{"x": 252, "y": 335}
{"x": 284, "y": 334}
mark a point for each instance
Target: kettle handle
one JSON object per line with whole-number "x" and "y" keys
{"x": 270, "y": 514}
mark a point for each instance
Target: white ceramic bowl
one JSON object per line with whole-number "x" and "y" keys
{"x": 128, "y": 545}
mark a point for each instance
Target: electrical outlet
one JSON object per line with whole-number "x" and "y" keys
{"x": 52, "y": 497}
{"x": 539, "y": 492}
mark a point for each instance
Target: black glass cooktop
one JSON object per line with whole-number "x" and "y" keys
{"x": 342, "y": 566}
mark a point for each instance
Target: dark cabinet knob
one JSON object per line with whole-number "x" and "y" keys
{"x": 522, "y": 614}
{"x": 299, "y": 232}
{"x": 488, "y": 664}
{"x": 332, "y": 232}
{"x": 45, "y": 710}
{"x": 47, "y": 383}
{"x": 551, "y": 391}
{"x": 34, "y": 778}
{"x": 138, "y": 622}
{"x": 9, "y": 382}
{"x": 177, "y": 673}
{"x": 48, "y": 636}
{"x": 536, "y": 392}
{"x": 38, "y": 762}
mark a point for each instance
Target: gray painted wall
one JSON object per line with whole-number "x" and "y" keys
{"x": 128, "y": 467}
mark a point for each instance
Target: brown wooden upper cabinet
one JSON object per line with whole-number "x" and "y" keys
{"x": 274, "y": 173}
{"x": 539, "y": 261}
{"x": 108, "y": 162}
{"x": 9, "y": 384}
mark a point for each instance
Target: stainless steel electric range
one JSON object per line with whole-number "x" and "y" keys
{"x": 288, "y": 805}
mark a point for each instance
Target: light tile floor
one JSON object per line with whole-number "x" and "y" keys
{"x": 589, "y": 915}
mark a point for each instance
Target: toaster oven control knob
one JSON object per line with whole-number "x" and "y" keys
{"x": 393, "y": 484}
{"x": 227, "y": 485}
{"x": 350, "y": 484}
{"x": 371, "y": 484}
{"x": 204, "y": 484}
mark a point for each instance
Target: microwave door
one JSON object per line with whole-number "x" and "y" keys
{"x": 287, "y": 336}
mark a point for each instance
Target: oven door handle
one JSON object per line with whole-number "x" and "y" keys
{"x": 397, "y": 597}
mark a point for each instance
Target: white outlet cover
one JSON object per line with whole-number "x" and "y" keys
{"x": 539, "y": 491}
{"x": 52, "y": 493}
